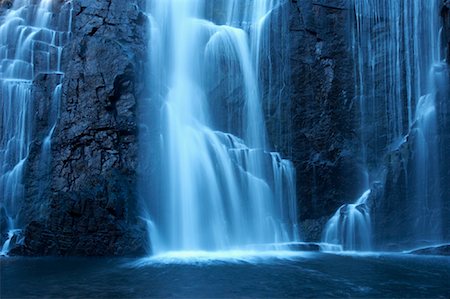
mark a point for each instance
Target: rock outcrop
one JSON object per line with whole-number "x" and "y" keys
{"x": 397, "y": 223}
{"x": 438, "y": 250}
{"x": 445, "y": 14}
{"x": 89, "y": 205}
{"x": 324, "y": 110}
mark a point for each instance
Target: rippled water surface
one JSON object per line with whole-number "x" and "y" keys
{"x": 236, "y": 274}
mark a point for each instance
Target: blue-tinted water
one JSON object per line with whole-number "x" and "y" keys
{"x": 304, "y": 275}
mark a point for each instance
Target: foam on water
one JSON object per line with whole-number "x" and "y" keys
{"x": 220, "y": 257}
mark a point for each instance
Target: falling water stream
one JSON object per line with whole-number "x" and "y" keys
{"x": 32, "y": 36}
{"x": 222, "y": 191}
{"x": 398, "y": 69}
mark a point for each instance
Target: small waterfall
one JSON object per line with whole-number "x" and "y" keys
{"x": 396, "y": 44}
{"x": 350, "y": 227}
{"x": 220, "y": 191}
{"x": 46, "y": 154}
{"x": 427, "y": 224}
{"x": 32, "y": 36}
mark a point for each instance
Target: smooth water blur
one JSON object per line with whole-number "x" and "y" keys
{"x": 350, "y": 226}
{"x": 397, "y": 57}
{"x": 395, "y": 45}
{"x": 222, "y": 187}
{"x": 32, "y": 36}
{"x": 312, "y": 275}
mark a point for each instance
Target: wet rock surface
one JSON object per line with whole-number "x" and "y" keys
{"x": 445, "y": 14}
{"x": 89, "y": 203}
{"x": 435, "y": 250}
{"x": 324, "y": 115}
{"x": 444, "y": 118}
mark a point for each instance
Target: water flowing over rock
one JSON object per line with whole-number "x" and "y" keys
{"x": 350, "y": 227}
{"x": 400, "y": 79}
{"x": 216, "y": 124}
{"x": 219, "y": 191}
{"x": 32, "y": 37}
{"x": 84, "y": 203}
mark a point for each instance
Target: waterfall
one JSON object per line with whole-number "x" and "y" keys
{"x": 222, "y": 187}
{"x": 396, "y": 46}
{"x": 32, "y": 36}
{"x": 350, "y": 226}
{"x": 428, "y": 201}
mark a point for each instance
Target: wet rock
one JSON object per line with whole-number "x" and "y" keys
{"x": 3, "y": 225}
{"x": 87, "y": 202}
{"x": 312, "y": 229}
{"x": 435, "y": 250}
{"x": 444, "y": 119}
{"x": 445, "y": 14}
{"x": 324, "y": 111}
{"x": 6, "y": 4}
{"x": 304, "y": 247}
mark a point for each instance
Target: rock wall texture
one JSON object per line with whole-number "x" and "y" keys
{"x": 396, "y": 223}
{"x": 324, "y": 111}
{"x": 89, "y": 205}
{"x": 445, "y": 120}
{"x": 326, "y": 141}
{"x": 445, "y": 14}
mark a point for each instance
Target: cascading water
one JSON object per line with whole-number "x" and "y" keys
{"x": 220, "y": 191}
{"x": 350, "y": 227}
{"x": 396, "y": 44}
{"x": 31, "y": 41}
{"x": 427, "y": 223}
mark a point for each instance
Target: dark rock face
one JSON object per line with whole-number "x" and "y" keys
{"x": 391, "y": 209}
{"x": 325, "y": 132}
{"x": 3, "y": 225}
{"x": 5, "y": 4}
{"x": 445, "y": 14}
{"x": 312, "y": 229}
{"x": 444, "y": 119}
{"x": 89, "y": 205}
{"x": 439, "y": 250}
{"x": 324, "y": 111}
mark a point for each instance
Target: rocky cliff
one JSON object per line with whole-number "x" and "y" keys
{"x": 89, "y": 203}
{"x": 396, "y": 221}
{"x": 324, "y": 111}
{"x": 326, "y": 139}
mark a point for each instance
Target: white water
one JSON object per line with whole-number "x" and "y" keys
{"x": 205, "y": 258}
{"x": 32, "y": 36}
{"x": 350, "y": 226}
{"x": 220, "y": 191}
